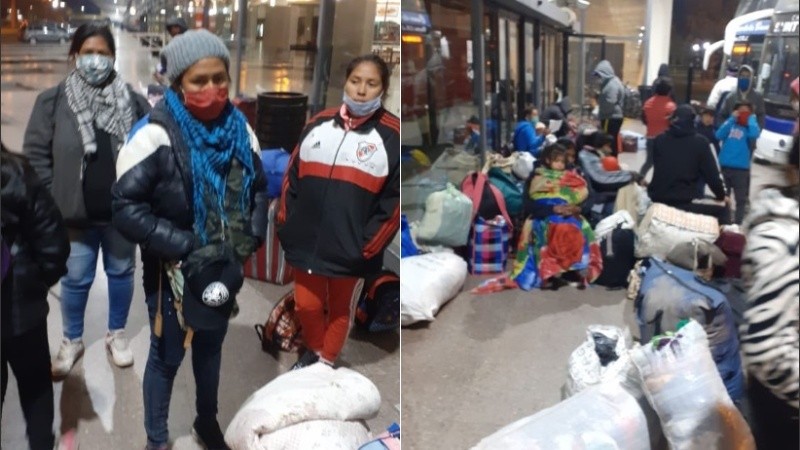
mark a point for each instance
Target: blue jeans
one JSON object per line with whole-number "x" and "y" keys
{"x": 119, "y": 264}
{"x": 166, "y": 355}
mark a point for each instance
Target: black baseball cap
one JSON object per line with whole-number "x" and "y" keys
{"x": 212, "y": 278}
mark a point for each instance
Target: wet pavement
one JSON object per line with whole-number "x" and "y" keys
{"x": 104, "y": 402}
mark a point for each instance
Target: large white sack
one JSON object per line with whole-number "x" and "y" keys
{"x": 315, "y": 393}
{"x": 585, "y": 367}
{"x": 318, "y": 435}
{"x": 606, "y": 226}
{"x": 428, "y": 282}
{"x": 605, "y": 416}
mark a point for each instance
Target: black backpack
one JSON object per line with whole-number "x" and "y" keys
{"x": 618, "y": 258}
{"x": 379, "y": 305}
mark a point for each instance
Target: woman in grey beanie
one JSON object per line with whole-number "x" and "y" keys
{"x": 188, "y": 191}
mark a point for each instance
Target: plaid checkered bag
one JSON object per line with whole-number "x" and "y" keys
{"x": 490, "y": 246}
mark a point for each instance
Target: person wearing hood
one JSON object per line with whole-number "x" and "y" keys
{"x": 176, "y": 26}
{"x": 610, "y": 101}
{"x": 340, "y": 206}
{"x": 682, "y": 160}
{"x": 735, "y": 136}
{"x": 603, "y": 184}
{"x": 655, "y": 114}
{"x": 723, "y": 87}
{"x": 530, "y": 133}
{"x": 744, "y": 92}
{"x": 73, "y": 141}
{"x": 191, "y": 192}
{"x": 559, "y": 110}
{"x": 769, "y": 336}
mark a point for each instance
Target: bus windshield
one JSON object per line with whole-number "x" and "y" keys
{"x": 748, "y": 6}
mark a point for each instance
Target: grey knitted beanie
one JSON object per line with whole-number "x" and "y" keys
{"x": 186, "y": 49}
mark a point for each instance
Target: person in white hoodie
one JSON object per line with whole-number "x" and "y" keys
{"x": 723, "y": 87}
{"x": 769, "y": 335}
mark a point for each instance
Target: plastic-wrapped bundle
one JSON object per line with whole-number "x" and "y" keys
{"x": 605, "y": 416}
{"x": 313, "y": 408}
{"x": 602, "y": 357}
{"x": 428, "y": 282}
{"x": 682, "y": 384}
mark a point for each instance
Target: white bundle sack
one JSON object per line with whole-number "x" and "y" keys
{"x": 604, "y": 344}
{"x": 620, "y": 218}
{"x": 316, "y": 407}
{"x": 523, "y": 166}
{"x": 605, "y": 416}
{"x": 447, "y": 219}
{"x": 428, "y": 282}
{"x": 663, "y": 227}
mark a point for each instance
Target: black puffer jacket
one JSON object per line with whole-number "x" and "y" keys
{"x": 33, "y": 227}
{"x": 152, "y": 203}
{"x": 558, "y": 111}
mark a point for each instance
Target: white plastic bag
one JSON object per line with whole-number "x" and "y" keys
{"x": 447, "y": 219}
{"x": 428, "y": 282}
{"x": 315, "y": 407}
{"x": 602, "y": 357}
{"x": 603, "y": 417}
{"x": 683, "y": 385}
{"x": 610, "y": 223}
{"x": 523, "y": 166}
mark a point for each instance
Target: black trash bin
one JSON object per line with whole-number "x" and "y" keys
{"x": 281, "y": 117}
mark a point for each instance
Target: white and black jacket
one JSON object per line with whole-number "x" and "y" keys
{"x": 340, "y": 202}
{"x": 770, "y": 270}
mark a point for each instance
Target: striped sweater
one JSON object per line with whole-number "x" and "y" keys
{"x": 340, "y": 200}
{"x": 770, "y": 269}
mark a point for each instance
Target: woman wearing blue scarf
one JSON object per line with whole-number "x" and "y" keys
{"x": 188, "y": 191}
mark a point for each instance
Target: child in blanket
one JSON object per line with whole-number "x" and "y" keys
{"x": 561, "y": 245}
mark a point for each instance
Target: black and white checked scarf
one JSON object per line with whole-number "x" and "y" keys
{"x": 109, "y": 107}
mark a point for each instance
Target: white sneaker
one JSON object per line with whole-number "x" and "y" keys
{"x": 117, "y": 344}
{"x": 69, "y": 352}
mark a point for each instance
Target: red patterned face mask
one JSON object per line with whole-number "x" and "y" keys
{"x": 206, "y": 105}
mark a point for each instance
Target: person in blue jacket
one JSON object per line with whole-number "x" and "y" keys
{"x": 735, "y": 135}
{"x": 529, "y": 134}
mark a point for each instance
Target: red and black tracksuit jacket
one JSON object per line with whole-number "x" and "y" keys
{"x": 340, "y": 200}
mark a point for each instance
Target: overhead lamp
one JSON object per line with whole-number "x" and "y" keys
{"x": 696, "y": 47}
{"x": 583, "y": 4}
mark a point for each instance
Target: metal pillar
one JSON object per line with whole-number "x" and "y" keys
{"x": 322, "y": 62}
{"x": 479, "y": 71}
{"x": 565, "y": 64}
{"x": 537, "y": 61}
{"x": 521, "y": 103}
{"x": 240, "y": 25}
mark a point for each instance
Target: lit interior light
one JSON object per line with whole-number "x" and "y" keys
{"x": 163, "y": 12}
{"x": 412, "y": 39}
{"x": 133, "y": 10}
{"x": 225, "y": 10}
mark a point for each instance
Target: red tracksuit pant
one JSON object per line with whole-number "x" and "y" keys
{"x": 323, "y": 334}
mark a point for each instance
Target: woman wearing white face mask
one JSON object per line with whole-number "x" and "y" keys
{"x": 340, "y": 206}
{"x": 73, "y": 138}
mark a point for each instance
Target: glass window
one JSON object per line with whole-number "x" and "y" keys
{"x": 439, "y": 117}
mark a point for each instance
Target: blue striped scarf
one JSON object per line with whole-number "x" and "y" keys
{"x": 212, "y": 149}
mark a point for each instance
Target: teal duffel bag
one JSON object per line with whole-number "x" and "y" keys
{"x": 510, "y": 188}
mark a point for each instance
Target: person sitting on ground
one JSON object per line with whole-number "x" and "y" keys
{"x": 655, "y": 114}
{"x": 705, "y": 127}
{"x": 530, "y": 133}
{"x": 572, "y": 153}
{"x": 682, "y": 160}
{"x": 769, "y": 335}
{"x": 558, "y": 111}
{"x": 736, "y": 134}
{"x": 35, "y": 248}
{"x": 561, "y": 241}
{"x": 603, "y": 184}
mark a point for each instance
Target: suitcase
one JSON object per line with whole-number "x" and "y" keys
{"x": 618, "y": 258}
{"x": 268, "y": 263}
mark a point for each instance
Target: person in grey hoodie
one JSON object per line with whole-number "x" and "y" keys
{"x": 745, "y": 92}
{"x": 610, "y": 100}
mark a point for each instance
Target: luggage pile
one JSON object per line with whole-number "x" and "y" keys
{"x": 469, "y": 229}
{"x": 663, "y": 394}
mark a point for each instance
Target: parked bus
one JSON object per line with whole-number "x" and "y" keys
{"x": 780, "y": 61}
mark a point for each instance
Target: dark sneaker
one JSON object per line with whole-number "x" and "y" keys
{"x": 208, "y": 434}
{"x": 308, "y": 358}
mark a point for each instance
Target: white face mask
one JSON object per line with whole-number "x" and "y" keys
{"x": 361, "y": 109}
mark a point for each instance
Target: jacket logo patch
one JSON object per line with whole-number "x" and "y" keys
{"x": 316, "y": 146}
{"x": 365, "y": 151}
